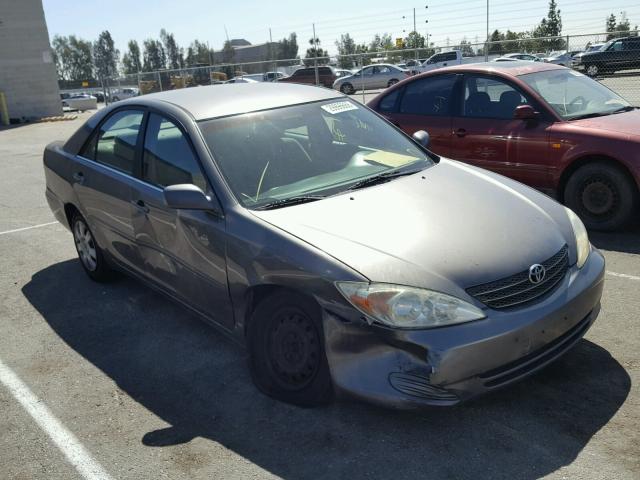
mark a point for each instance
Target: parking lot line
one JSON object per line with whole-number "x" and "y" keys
{"x": 623, "y": 275}
{"x": 27, "y": 228}
{"x": 66, "y": 441}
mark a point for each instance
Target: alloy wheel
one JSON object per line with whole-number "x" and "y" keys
{"x": 85, "y": 245}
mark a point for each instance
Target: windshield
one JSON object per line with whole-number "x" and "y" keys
{"x": 572, "y": 94}
{"x": 319, "y": 149}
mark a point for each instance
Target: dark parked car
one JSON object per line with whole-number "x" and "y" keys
{"x": 326, "y": 76}
{"x": 617, "y": 54}
{"x": 541, "y": 124}
{"x": 347, "y": 257}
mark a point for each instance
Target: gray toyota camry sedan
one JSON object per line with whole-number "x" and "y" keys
{"x": 347, "y": 257}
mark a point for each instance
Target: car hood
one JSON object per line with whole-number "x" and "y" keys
{"x": 625, "y": 123}
{"x": 447, "y": 228}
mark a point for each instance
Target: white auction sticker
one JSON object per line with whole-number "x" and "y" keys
{"x": 338, "y": 107}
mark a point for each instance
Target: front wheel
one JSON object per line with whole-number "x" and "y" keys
{"x": 347, "y": 89}
{"x": 602, "y": 195}
{"x": 286, "y": 348}
{"x": 91, "y": 256}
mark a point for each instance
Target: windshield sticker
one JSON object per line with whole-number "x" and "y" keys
{"x": 389, "y": 159}
{"x": 338, "y": 107}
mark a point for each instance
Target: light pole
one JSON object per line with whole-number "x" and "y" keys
{"x": 486, "y": 43}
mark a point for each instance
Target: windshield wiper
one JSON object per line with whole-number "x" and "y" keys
{"x": 628, "y": 108}
{"x": 382, "y": 177}
{"x": 285, "y": 202}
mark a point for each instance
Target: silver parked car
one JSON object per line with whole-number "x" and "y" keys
{"x": 374, "y": 76}
{"x": 516, "y": 57}
{"x": 349, "y": 258}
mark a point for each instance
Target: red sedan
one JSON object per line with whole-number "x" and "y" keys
{"x": 541, "y": 124}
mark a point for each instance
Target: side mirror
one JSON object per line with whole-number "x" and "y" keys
{"x": 525, "y": 112}
{"x": 422, "y": 138}
{"x": 186, "y": 197}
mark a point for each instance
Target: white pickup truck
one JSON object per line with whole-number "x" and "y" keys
{"x": 443, "y": 59}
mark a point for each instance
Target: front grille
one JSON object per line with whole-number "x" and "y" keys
{"x": 518, "y": 289}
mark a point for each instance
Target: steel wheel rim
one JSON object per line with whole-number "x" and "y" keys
{"x": 599, "y": 197}
{"x": 293, "y": 347}
{"x": 85, "y": 246}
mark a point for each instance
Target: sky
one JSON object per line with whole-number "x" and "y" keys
{"x": 444, "y": 20}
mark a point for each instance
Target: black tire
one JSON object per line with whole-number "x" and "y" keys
{"x": 116, "y": 99}
{"x": 592, "y": 70}
{"x": 602, "y": 195}
{"x": 391, "y": 82}
{"x": 286, "y": 350}
{"x": 347, "y": 89}
{"x": 100, "y": 270}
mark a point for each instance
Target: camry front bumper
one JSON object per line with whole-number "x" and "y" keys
{"x": 444, "y": 366}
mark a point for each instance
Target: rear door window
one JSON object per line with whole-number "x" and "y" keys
{"x": 117, "y": 140}
{"x": 487, "y": 97}
{"x": 429, "y": 96}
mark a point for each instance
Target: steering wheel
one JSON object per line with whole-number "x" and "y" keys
{"x": 578, "y": 99}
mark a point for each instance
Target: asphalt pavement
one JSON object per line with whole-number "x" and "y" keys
{"x": 114, "y": 381}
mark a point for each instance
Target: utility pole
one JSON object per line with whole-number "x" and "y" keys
{"x": 275, "y": 64}
{"x": 315, "y": 54}
{"x": 415, "y": 33}
{"x": 486, "y": 43}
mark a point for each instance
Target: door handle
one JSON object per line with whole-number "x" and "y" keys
{"x": 79, "y": 177}
{"x": 461, "y": 132}
{"x": 140, "y": 205}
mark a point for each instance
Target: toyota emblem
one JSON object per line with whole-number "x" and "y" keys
{"x": 537, "y": 273}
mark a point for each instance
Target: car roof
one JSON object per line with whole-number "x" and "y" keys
{"x": 507, "y": 68}
{"x": 215, "y": 101}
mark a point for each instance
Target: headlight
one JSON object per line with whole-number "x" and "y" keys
{"x": 582, "y": 239}
{"x": 408, "y": 307}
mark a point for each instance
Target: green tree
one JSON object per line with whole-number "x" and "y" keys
{"x": 198, "y": 54}
{"x": 496, "y": 47}
{"x": 315, "y": 52}
{"x": 131, "y": 59}
{"x": 228, "y": 53}
{"x": 551, "y": 26}
{"x": 105, "y": 56}
{"x": 80, "y": 61}
{"x": 346, "y": 47}
{"x": 611, "y": 26}
{"x": 175, "y": 54}
{"x": 154, "y": 57}
{"x": 466, "y": 48}
{"x": 62, "y": 55}
{"x": 288, "y": 47}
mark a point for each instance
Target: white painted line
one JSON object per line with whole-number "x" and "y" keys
{"x": 27, "y": 228}
{"x": 66, "y": 441}
{"x": 623, "y": 275}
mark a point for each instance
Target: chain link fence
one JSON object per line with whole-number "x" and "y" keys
{"x": 617, "y": 67}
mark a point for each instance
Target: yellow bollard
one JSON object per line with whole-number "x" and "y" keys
{"x": 4, "y": 111}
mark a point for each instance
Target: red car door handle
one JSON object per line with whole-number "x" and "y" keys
{"x": 461, "y": 132}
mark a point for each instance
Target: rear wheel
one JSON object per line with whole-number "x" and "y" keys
{"x": 347, "y": 89}
{"x": 393, "y": 81}
{"x": 91, "y": 256}
{"x": 592, "y": 70}
{"x": 286, "y": 347}
{"x": 602, "y": 195}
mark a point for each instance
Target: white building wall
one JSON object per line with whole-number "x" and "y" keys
{"x": 27, "y": 71}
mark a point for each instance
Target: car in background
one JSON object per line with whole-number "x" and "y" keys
{"x": 346, "y": 257}
{"x": 577, "y": 58}
{"x": 563, "y": 58}
{"x": 342, "y": 72}
{"x": 242, "y": 80}
{"x": 518, "y": 57}
{"x": 438, "y": 60}
{"x": 272, "y": 76}
{"x": 617, "y": 54}
{"x": 550, "y": 127}
{"x": 80, "y": 101}
{"x": 307, "y": 75}
{"x": 124, "y": 93}
{"x": 382, "y": 75}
